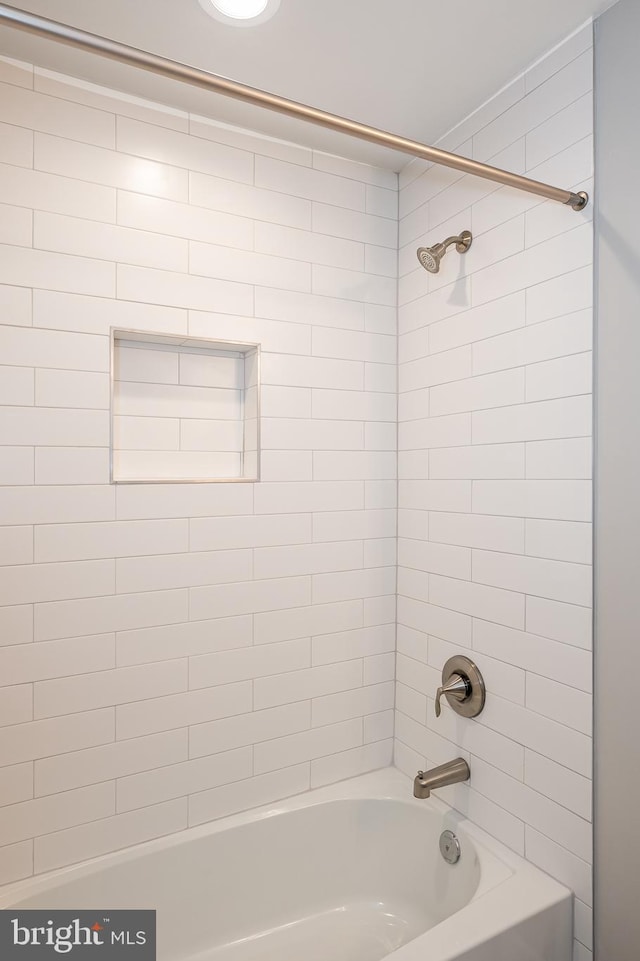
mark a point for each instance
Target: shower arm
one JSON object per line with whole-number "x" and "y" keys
{"x": 461, "y": 246}
{"x": 132, "y": 56}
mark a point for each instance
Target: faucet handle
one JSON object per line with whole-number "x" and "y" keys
{"x": 456, "y": 686}
{"x": 463, "y": 686}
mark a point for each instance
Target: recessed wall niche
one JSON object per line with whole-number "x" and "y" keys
{"x": 183, "y": 409}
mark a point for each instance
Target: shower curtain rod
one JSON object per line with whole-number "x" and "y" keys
{"x": 123, "y": 53}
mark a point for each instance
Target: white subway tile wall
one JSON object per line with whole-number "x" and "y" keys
{"x": 494, "y": 552}
{"x": 174, "y": 654}
{"x": 171, "y": 653}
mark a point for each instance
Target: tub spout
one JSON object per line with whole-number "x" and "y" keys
{"x": 450, "y": 773}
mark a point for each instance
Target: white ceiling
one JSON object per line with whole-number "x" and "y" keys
{"x": 414, "y": 67}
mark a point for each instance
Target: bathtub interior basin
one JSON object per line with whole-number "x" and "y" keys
{"x": 350, "y": 873}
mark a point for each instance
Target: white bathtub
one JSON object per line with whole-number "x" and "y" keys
{"x": 347, "y": 873}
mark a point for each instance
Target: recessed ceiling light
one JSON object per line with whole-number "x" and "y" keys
{"x": 241, "y": 13}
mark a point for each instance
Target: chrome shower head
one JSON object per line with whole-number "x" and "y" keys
{"x": 430, "y": 257}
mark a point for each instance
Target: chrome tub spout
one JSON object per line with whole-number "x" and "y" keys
{"x": 450, "y": 773}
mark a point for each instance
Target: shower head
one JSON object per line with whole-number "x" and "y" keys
{"x": 430, "y": 257}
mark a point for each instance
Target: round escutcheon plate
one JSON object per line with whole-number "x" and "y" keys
{"x": 449, "y": 847}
